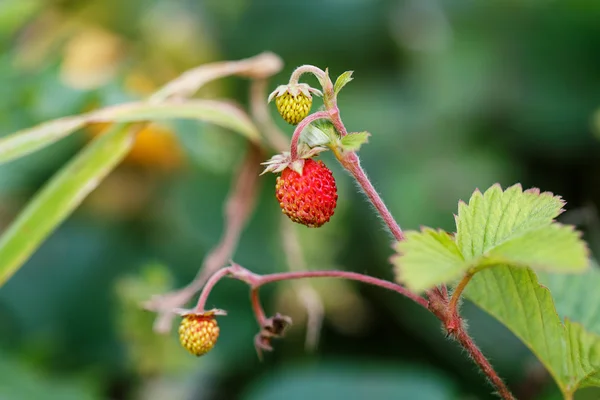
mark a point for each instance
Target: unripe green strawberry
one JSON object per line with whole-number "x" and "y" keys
{"x": 198, "y": 333}
{"x": 294, "y": 101}
{"x": 308, "y": 198}
{"x": 293, "y": 109}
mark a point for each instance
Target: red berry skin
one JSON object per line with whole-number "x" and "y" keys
{"x": 308, "y": 199}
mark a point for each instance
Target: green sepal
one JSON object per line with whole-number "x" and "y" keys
{"x": 353, "y": 141}
{"x": 341, "y": 81}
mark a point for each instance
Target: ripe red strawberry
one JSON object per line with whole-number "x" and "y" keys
{"x": 310, "y": 198}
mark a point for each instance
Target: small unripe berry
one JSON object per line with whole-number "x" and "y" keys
{"x": 198, "y": 333}
{"x": 293, "y": 109}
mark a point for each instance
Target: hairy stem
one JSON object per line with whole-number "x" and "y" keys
{"x": 351, "y": 163}
{"x": 255, "y": 281}
{"x": 448, "y": 314}
{"x": 453, "y": 305}
{"x": 467, "y": 343}
{"x": 300, "y": 127}
{"x": 334, "y": 115}
{"x": 307, "y": 69}
{"x": 284, "y": 276}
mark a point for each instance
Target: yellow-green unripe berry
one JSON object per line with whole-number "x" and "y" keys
{"x": 198, "y": 333}
{"x": 293, "y": 109}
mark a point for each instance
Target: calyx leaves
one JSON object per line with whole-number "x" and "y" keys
{"x": 353, "y": 141}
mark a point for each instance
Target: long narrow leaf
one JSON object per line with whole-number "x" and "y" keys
{"x": 227, "y": 115}
{"x": 26, "y": 141}
{"x": 220, "y": 113}
{"x": 60, "y": 196}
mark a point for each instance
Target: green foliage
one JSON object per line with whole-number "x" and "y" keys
{"x": 554, "y": 248}
{"x": 502, "y": 236}
{"x": 497, "y": 216}
{"x": 498, "y": 227}
{"x": 513, "y": 296}
{"x": 576, "y": 308}
{"x": 353, "y": 141}
{"x": 447, "y": 120}
{"x": 61, "y": 196}
{"x": 219, "y": 113}
{"x": 318, "y": 133}
{"x": 342, "y": 81}
{"x": 428, "y": 258}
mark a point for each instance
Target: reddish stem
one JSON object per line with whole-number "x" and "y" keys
{"x": 446, "y": 311}
{"x": 212, "y": 281}
{"x": 298, "y": 131}
{"x": 257, "y": 307}
{"x": 351, "y": 162}
{"x": 465, "y": 340}
{"x": 334, "y": 114}
{"x": 453, "y": 305}
{"x": 283, "y": 276}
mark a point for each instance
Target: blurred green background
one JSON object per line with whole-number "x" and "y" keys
{"x": 457, "y": 94}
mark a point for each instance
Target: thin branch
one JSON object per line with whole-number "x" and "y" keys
{"x": 467, "y": 343}
{"x": 353, "y": 276}
{"x": 238, "y": 208}
{"x": 258, "y": 67}
{"x": 257, "y": 307}
{"x": 351, "y": 163}
{"x": 307, "y": 69}
{"x": 212, "y": 281}
{"x": 255, "y": 281}
{"x": 446, "y": 311}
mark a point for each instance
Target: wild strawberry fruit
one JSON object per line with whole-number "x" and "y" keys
{"x": 293, "y": 101}
{"x": 198, "y": 333}
{"x": 308, "y": 198}
{"x": 293, "y": 109}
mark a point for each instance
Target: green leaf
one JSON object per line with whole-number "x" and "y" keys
{"x": 220, "y": 113}
{"x": 513, "y": 296}
{"x": 313, "y": 136}
{"x": 566, "y": 290}
{"x": 554, "y": 247}
{"x": 27, "y": 141}
{"x": 341, "y": 81}
{"x": 585, "y": 310}
{"x": 491, "y": 218}
{"x": 60, "y": 196}
{"x": 496, "y": 228}
{"x": 514, "y": 231}
{"x": 353, "y": 141}
{"x": 428, "y": 258}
